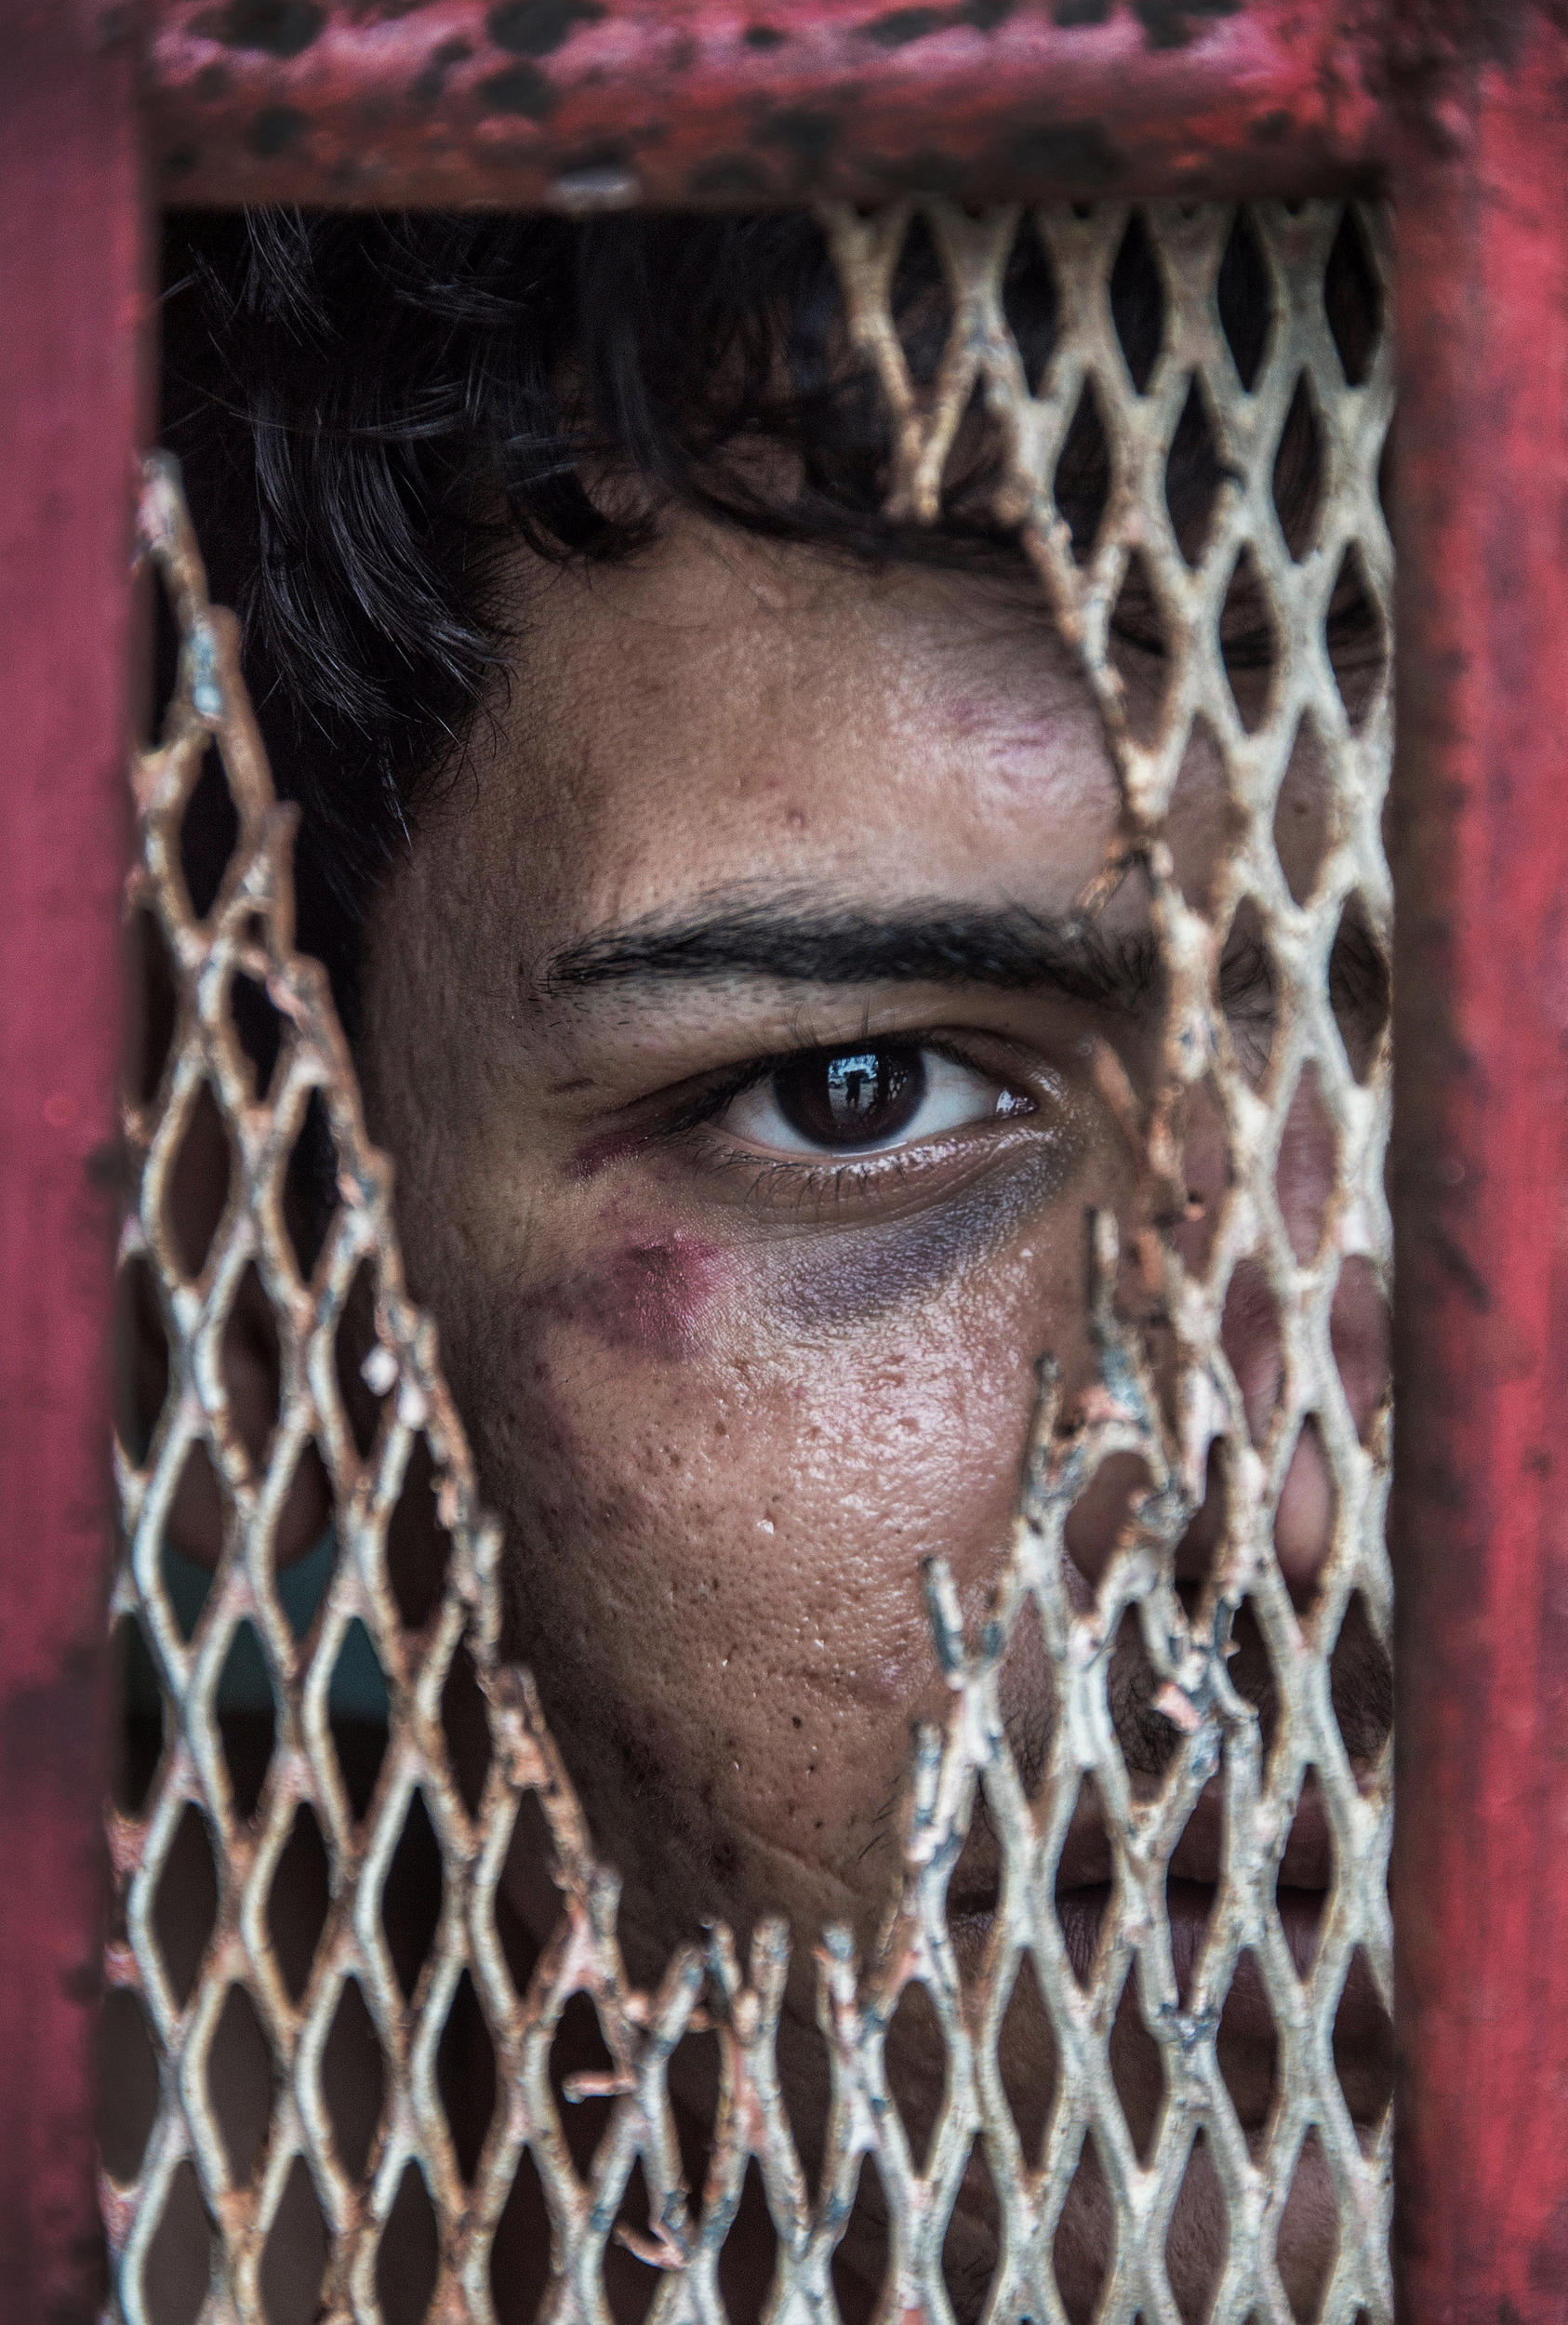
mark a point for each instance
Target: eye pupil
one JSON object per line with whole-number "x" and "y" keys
{"x": 851, "y": 1098}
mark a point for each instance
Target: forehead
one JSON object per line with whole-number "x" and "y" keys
{"x": 720, "y": 709}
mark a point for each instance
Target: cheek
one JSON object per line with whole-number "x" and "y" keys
{"x": 651, "y": 1298}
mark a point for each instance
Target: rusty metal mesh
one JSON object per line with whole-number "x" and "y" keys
{"x": 192, "y": 1799}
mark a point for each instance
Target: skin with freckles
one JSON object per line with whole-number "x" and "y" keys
{"x": 752, "y": 837}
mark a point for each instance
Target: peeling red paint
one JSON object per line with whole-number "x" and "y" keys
{"x": 585, "y": 104}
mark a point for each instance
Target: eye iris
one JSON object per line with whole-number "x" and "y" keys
{"x": 852, "y": 1098}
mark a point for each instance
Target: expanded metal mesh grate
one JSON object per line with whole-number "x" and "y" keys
{"x": 301, "y": 2177}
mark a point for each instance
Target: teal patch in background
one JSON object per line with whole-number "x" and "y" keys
{"x": 358, "y": 1690}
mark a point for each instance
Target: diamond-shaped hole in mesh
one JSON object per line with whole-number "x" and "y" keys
{"x": 1358, "y": 638}
{"x": 917, "y": 2068}
{"x": 1359, "y": 1334}
{"x": 1305, "y": 815}
{"x": 1307, "y": 1517}
{"x": 296, "y": 1903}
{"x": 185, "y": 1903}
{"x": 1250, "y": 1673}
{"x": 1138, "y": 649}
{"x": 579, "y": 2050}
{"x": 1358, "y": 980}
{"x": 1251, "y": 1336}
{"x": 1298, "y": 480}
{"x": 176, "y": 2272}
{"x": 1149, "y": 1739}
{"x": 1082, "y": 1886}
{"x": 859, "y": 2268}
{"x": 1304, "y": 1179}
{"x": 196, "y": 1189}
{"x": 152, "y": 1005}
{"x": 1245, "y": 296}
{"x": 973, "y": 1888}
{"x": 1247, "y": 2046}
{"x": 250, "y": 1362}
{"x": 366, "y": 1366}
{"x": 1249, "y": 991}
{"x": 809, "y": 2097}
{"x": 465, "y": 2074}
{"x": 1198, "y": 2239}
{"x": 1249, "y": 637}
{"x": 1362, "y": 1686}
{"x": 1307, "y": 2245}
{"x": 1026, "y": 2060}
{"x": 208, "y": 835}
{"x": 1029, "y": 1709}
{"x": 198, "y": 1512}
{"x": 969, "y": 2249}
{"x": 1138, "y": 302}
{"x": 247, "y": 1718}
{"x": 1194, "y": 476}
{"x": 528, "y": 1904}
{"x": 1305, "y": 1875}
{"x": 419, "y": 1547}
{"x": 921, "y": 304}
{"x": 1364, "y": 2050}
{"x": 1191, "y": 1898}
{"x": 258, "y": 1029}
{"x": 1137, "y": 2070}
{"x": 749, "y": 2255}
{"x": 465, "y": 1721}
{"x": 127, "y": 2084}
{"x": 239, "y": 2082}
{"x": 1085, "y": 2244}
{"x": 520, "y": 2254}
{"x": 1031, "y": 299}
{"x": 295, "y": 2259}
{"x": 310, "y": 1187}
{"x": 411, "y": 1899}
{"x": 139, "y": 1729}
{"x": 354, "y": 2079}
{"x": 140, "y": 1358}
{"x": 1204, "y": 825}
{"x": 693, "y": 2076}
{"x": 1081, "y": 486}
{"x": 409, "y": 2258}
{"x": 359, "y": 1739}
{"x": 1353, "y": 299}
{"x": 630, "y": 2282}
{"x": 1103, "y": 1512}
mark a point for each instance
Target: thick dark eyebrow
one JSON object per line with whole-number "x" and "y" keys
{"x": 788, "y": 939}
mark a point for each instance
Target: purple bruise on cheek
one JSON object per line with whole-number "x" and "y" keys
{"x": 648, "y": 1299}
{"x": 845, "y": 1276}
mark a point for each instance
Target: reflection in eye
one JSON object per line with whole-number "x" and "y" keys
{"x": 869, "y": 1098}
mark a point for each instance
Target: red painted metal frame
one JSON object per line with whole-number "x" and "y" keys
{"x": 71, "y": 413}
{"x": 585, "y": 103}
{"x": 1479, "y": 1179}
{"x": 599, "y": 102}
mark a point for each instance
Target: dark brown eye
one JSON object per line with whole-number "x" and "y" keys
{"x": 852, "y": 1098}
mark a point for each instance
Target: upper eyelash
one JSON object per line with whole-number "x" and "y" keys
{"x": 708, "y": 1103}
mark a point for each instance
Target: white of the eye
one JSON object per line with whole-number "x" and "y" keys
{"x": 954, "y": 1096}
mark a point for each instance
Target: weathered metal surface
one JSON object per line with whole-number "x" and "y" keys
{"x": 1217, "y": 1734}
{"x": 71, "y": 411}
{"x": 582, "y": 104}
{"x": 1480, "y": 1157}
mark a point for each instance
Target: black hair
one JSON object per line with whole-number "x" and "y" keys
{"x": 371, "y": 408}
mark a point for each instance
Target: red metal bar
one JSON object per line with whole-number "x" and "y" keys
{"x": 70, "y": 411}
{"x": 598, "y": 104}
{"x": 1479, "y": 1169}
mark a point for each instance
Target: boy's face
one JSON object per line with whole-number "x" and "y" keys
{"x": 745, "y": 1130}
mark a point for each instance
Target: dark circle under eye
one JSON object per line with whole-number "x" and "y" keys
{"x": 851, "y": 1098}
